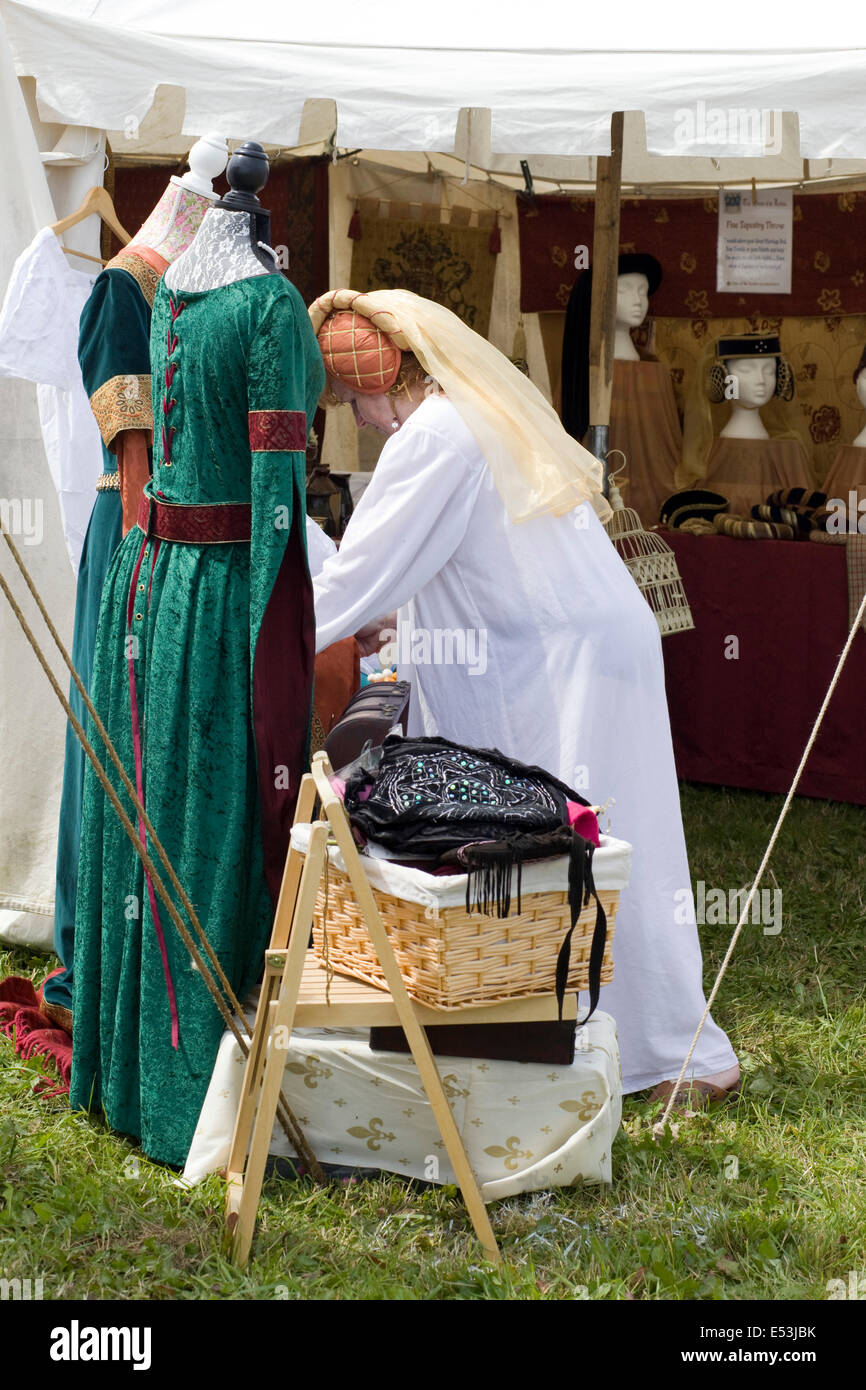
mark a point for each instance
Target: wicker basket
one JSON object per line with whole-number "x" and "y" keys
{"x": 452, "y": 959}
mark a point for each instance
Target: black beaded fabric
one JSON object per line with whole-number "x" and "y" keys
{"x": 429, "y": 796}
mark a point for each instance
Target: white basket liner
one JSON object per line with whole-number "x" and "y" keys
{"x": 611, "y": 868}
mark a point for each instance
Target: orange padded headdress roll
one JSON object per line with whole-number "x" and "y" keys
{"x": 358, "y": 353}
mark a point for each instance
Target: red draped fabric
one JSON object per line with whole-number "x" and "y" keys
{"x": 744, "y": 688}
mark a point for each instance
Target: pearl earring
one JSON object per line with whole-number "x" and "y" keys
{"x": 395, "y": 423}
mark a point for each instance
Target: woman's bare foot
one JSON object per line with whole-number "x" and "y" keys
{"x": 700, "y": 1090}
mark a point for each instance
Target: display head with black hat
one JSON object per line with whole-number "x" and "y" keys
{"x": 740, "y": 390}
{"x": 757, "y": 365}
{"x": 638, "y": 278}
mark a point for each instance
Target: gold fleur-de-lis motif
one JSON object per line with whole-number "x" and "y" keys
{"x": 585, "y": 1108}
{"x": 310, "y": 1069}
{"x": 511, "y": 1153}
{"x": 451, "y": 1086}
{"x": 372, "y": 1134}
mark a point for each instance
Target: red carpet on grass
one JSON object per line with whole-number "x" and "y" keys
{"x": 22, "y": 1021}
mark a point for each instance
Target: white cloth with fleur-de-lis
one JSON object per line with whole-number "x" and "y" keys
{"x": 526, "y": 1126}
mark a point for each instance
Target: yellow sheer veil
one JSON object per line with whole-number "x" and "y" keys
{"x": 537, "y": 468}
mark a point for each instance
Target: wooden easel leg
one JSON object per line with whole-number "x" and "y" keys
{"x": 432, "y": 1083}
{"x": 270, "y": 985}
{"x": 415, "y": 1034}
{"x": 276, "y": 1020}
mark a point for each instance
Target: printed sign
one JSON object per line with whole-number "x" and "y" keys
{"x": 755, "y": 241}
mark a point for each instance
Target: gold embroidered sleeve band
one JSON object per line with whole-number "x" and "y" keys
{"x": 123, "y": 403}
{"x": 146, "y": 276}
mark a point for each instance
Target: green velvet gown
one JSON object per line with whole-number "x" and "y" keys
{"x": 113, "y": 350}
{"x": 206, "y": 648}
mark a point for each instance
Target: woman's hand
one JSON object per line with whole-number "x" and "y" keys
{"x": 374, "y": 635}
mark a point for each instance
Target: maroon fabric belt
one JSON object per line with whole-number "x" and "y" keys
{"x": 206, "y": 525}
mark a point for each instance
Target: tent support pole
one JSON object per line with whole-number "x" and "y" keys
{"x": 605, "y": 259}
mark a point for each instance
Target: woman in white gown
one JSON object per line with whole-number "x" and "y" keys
{"x": 519, "y": 626}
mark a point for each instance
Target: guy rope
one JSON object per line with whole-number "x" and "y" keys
{"x": 766, "y": 859}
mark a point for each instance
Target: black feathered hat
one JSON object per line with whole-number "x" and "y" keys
{"x": 575, "y": 342}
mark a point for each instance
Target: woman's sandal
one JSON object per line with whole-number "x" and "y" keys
{"x": 694, "y": 1094}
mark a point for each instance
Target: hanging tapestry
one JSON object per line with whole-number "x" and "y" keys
{"x": 452, "y": 265}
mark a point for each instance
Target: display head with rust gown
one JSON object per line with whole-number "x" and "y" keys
{"x": 757, "y": 449}
{"x": 860, "y": 387}
{"x": 644, "y": 423}
{"x": 847, "y": 471}
{"x": 638, "y": 278}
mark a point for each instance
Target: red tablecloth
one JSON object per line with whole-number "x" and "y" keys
{"x": 744, "y": 721}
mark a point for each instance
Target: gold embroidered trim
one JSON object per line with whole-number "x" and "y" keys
{"x": 108, "y": 482}
{"x": 145, "y": 275}
{"x": 317, "y": 735}
{"x": 123, "y": 403}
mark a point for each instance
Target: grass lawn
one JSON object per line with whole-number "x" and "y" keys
{"x": 763, "y": 1199}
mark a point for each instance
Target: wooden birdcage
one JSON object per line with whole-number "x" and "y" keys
{"x": 651, "y": 563}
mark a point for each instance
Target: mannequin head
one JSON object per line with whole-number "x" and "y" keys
{"x": 632, "y": 299}
{"x": 755, "y": 378}
{"x": 173, "y": 223}
{"x": 757, "y": 362}
{"x": 861, "y": 387}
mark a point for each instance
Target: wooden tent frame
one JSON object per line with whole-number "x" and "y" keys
{"x": 294, "y": 993}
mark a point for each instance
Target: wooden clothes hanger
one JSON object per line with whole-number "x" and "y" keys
{"x": 98, "y": 201}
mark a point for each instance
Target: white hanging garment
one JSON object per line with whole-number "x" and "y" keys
{"x": 39, "y": 343}
{"x": 535, "y": 640}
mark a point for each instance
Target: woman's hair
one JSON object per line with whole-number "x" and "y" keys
{"x": 410, "y": 373}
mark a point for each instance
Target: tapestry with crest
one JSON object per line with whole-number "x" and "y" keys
{"x": 452, "y": 265}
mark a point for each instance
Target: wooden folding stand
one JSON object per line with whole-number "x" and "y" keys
{"x": 293, "y": 994}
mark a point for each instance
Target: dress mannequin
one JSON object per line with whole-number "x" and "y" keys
{"x": 848, "y": 470}
{"x": 209, "y": 703}
{"x": 233, "y": 242}
{"x": 166, "y": 234}
{"x": 643, "y": 415}
{"x": 746, "y": 461}
{"x": 114, "y": 359}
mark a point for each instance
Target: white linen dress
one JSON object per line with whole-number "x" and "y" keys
{"x": 559, "y": 663}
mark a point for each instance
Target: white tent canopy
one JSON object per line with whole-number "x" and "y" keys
{"x": 543, "y": 80}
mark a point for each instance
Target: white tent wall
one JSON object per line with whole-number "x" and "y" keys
{"x": 32, "y": 723}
